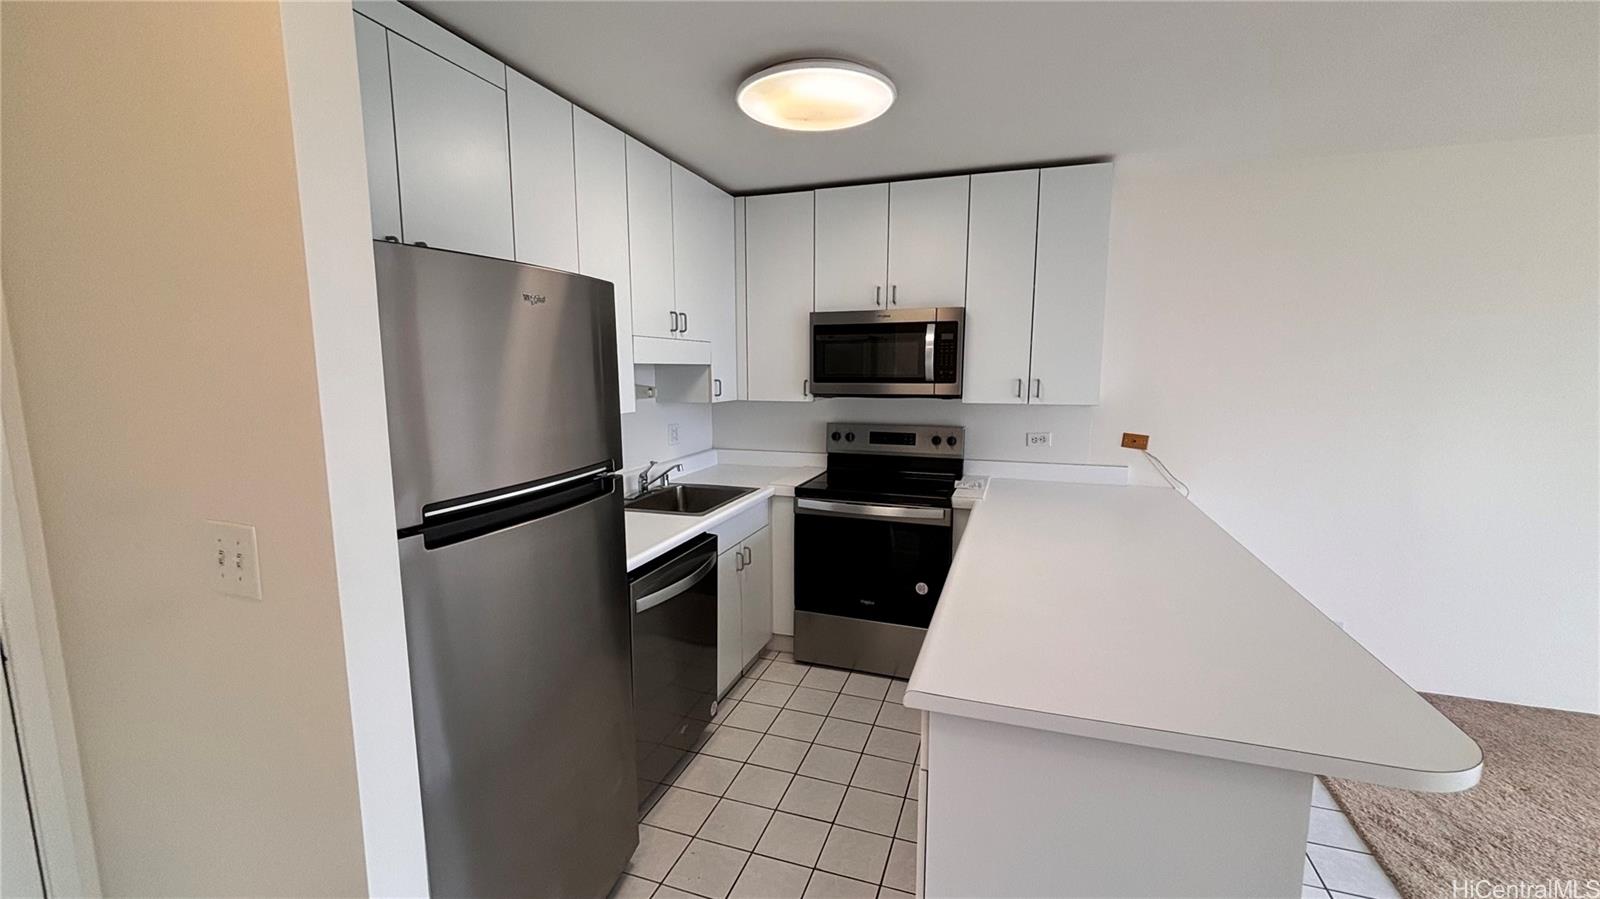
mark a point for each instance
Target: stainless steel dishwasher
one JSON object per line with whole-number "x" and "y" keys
{"x": 674, "y": 656}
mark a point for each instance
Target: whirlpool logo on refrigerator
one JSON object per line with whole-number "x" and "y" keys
{"x": 533, "y": 299}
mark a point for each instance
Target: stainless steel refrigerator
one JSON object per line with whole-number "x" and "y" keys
{"x": 505, "y": 435}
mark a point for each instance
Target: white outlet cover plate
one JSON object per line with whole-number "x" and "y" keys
{"x": 1039, "y": 438}
{"x": 231, "y": 564}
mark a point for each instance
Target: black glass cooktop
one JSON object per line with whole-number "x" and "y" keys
{"x": 880, "y": 487}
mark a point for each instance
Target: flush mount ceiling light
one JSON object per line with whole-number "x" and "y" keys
{"x": 816, "y": 95}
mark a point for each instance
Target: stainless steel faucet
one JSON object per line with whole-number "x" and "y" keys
{"x": 645, "y": 480}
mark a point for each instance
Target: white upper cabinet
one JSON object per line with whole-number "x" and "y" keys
{"x": 741, "y": 321}
{"x": 601, "y": 174}
{"x": 999, "y": 320}
{"x": 778, "y": 234}
{"x": 650, "y": 241}
{"x": 543, "y": 197}
{"x": 451, "y": 149}
{"x": 1070, "y": 283}
{"x": 703, "y": 273}
{"x": 852, "y": 248}
{"x": 702, "y": 253}
{"x": 377, "y": 122}
{"x": 928, "y": 242}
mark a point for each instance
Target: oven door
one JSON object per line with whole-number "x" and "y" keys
{"x": 907, "y": 352}
{"x": 871, "y": 562}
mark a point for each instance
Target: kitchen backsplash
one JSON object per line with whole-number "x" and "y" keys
{"x": 993, "y": 432}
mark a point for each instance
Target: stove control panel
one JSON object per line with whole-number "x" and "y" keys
{"x": 912, "y": 440}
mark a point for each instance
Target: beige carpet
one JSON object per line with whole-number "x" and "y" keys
{"x": 1534, "y": 817}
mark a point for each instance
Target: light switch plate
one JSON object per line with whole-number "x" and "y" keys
{"x": 230, "y": 562}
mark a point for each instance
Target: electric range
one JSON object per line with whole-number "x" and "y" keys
{"x": 873, "y": 540}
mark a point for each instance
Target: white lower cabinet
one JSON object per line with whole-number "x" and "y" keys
{"x": 730, "y": 608}
{"x": 744, "y": 605}
{"x": 755, "y": 592}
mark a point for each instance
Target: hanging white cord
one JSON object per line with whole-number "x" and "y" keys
{"x": 1161, "y": 468}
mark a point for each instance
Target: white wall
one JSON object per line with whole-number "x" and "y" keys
{"x": 1378, "y": 372}
{"x": 335, "y": 219}
{"x": 644, "y": 431}
{"x": 156, "y": 287}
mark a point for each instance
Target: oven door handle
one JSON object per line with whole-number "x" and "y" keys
{"x": 917, "y": 514}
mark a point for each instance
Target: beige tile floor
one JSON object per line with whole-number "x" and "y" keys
{"x": 804, "y": 788}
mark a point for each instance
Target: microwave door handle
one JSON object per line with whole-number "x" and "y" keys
{"x": 927, "y": 354}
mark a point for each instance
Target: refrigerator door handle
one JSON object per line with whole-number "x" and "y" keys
{"x": 525, "y": 492}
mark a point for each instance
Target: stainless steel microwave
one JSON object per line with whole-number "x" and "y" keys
{"x": 887, "y": 352}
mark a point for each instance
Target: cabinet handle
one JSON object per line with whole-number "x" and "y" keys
{"x": 749, "y": 556}
{"x": 1019, "y": 387}
{"x": 738, "y": 561}
{"x": 1038, "y": 385}
{"x": 894, "y": 294}
{"x": 672, "y": 317}
{"x": 805, "y": 387}
{"x": 716, "y": 384}
{"x": 685, "y": 327}
{"x": 877, "y": 295}
{"x": 391, "y": 238}
{"x": 421, "y": 243}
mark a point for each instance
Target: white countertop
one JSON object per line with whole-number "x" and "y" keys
{"x": 652, "y": 533}
{"x": 1125, "y": 614}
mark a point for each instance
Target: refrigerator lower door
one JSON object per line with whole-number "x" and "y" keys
{"x": 519, "y": 643}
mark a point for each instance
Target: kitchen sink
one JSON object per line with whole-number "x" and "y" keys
{"x": 686, "y": 499}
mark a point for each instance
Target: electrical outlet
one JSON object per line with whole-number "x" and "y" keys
{"x": 1039, "y": 438}
{"x": 672, "y": 434}
{"x": 230, "y": 560}
{"x": 1135, "y": 441}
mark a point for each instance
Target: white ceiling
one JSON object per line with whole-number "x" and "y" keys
{"x": 986, "y": 85}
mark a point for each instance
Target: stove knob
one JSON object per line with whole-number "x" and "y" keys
{"x": 849, "y": 436}
{"x": 834, "y": 436}
{"x": 936, "y": 440}
{"x": 951, "y": 440}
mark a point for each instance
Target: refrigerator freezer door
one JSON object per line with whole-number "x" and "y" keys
{"x": 520, "y": 642}
{"x": 497, "y": 374}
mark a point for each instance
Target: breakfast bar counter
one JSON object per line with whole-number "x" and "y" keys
{"x": 1146, "y": 701}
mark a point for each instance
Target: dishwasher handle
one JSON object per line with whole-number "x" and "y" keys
{"x": 646, "y": 603}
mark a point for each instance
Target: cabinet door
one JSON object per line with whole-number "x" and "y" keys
{"x": 452, "y": 154}
{"x": 721, "y": 314}
{"x": 852, "y": 247}
{"x": 1069, "y": 294}
{"x": 650, "y": 241}
{"x": 928, "y": 242}
{"x": 730, "y": 634}
{"x": 999, "y": 322}
{"x": 377, "y": 123}
{"x": 741, "y": 324}
{"x": 702, "y": 258}
{"x": 544, "y": 203}
{"x": 601, "y": 173}
{"x": 755, "y": 589}
{"x": 778, "y": 241}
